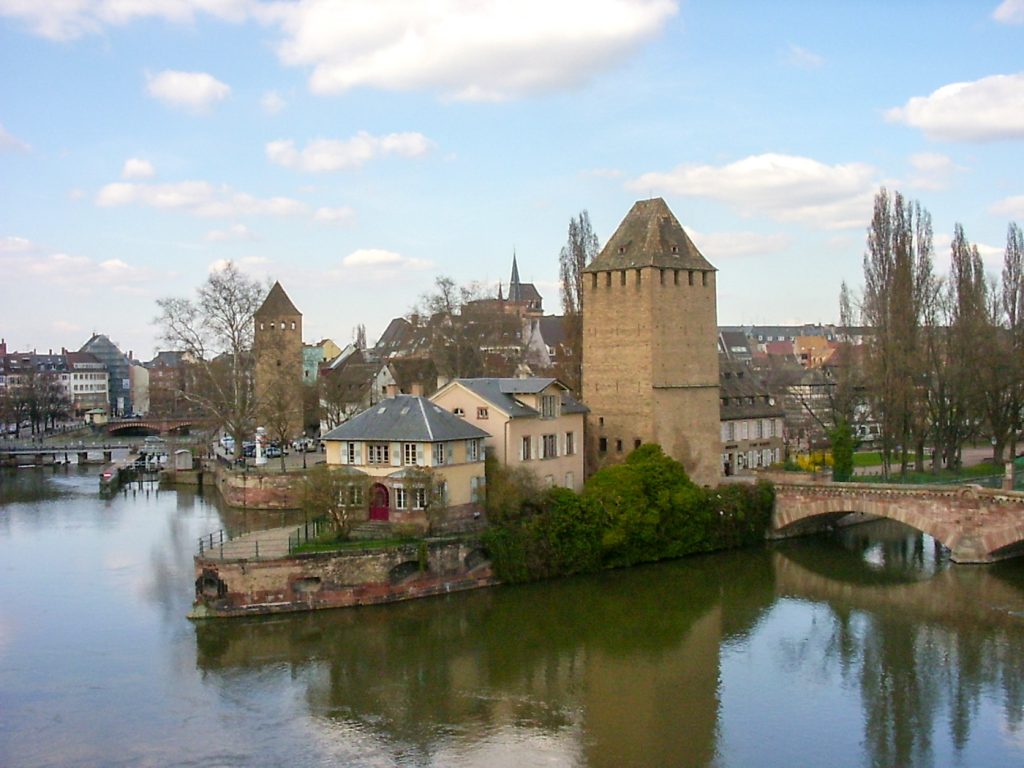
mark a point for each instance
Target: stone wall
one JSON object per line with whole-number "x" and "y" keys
{"x": 338, "y": 579}
{"x": 260, "y": 490}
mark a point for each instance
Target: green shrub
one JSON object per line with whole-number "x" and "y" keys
{"x": 643, "y": 510}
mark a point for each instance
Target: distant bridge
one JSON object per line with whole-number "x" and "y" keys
{"x": 977, "y": 525}
{"x": 154, "y": 426}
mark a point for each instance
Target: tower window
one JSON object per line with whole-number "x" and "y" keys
{"x": 690, "y": 276}
{"x": 618, "y": 445}
{"x": 675, "y": 276}
{"x": 608, "y": 279}
{"x": 622, "y": 249}
{"x": 675, "y": 249}
{"x": 602, "y": 445}
{"x": 293, "y": 325}
{"x": 622, "y": 277}
{"x": 704, "y": 279}
{"x": 593, "y": 280}
{"x": 638, "y": 278}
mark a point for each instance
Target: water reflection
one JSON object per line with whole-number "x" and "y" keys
{"x": 628, "y": 668}
{"x": 869, "y": 648}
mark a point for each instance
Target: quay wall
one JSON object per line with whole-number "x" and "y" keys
{"x": 314, "y": 581}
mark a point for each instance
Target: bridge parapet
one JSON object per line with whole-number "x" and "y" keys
{"x": 978, "y": 525}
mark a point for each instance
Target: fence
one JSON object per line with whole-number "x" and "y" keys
{"x": 263, "y": 544}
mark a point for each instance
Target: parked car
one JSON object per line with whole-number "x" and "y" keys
{"x": 248, "y": 449}
{"x": 273, "y": 452}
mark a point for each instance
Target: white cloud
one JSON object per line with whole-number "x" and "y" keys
{"x": 932, "y": 170}
{"x": 71, "y": 19}
{"x": 234, "y": 233}
{"x": 272, "y": 102}
{"x": 482, "y": 50}
{"x": 342, "y": 215}
{"x": 23, "y": 259}
{"x": 1012, "y": 207}
{"x": 731, "y": 244}
{"x": 378, "y": 264}
{"x": 12, "y": 244}
{"x": 200, "y": 198}
{"x": 803, "y": 58}
{"x": 137, "y": 168}
{"x": 336, "y": 155}
{"x": 194, "y": 91}
{"x": 983, "y": 110}
{"x": 1009, "y": 12}
{"x": 784, "y": 187}
{"x": 10, "y": 142}
{"x": 479, "y": 50}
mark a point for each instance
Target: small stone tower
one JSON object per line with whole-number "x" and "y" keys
{"x": 277, "y": 345}
{"x": 650, "y": 358}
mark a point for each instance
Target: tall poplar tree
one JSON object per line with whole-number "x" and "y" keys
{"x": 580, "y": 249}
{"x": 898, "y": 279}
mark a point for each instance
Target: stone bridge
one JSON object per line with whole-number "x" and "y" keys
{"x": 978, "y": 525}
{"x": 154, "y": 426}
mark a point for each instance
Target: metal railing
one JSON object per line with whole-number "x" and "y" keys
{"x": 246, "y": 545}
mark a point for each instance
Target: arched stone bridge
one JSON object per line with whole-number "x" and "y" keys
{"x": 155, "y": 426}
{"x": 978, "y": 525}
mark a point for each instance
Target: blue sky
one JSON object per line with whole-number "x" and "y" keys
{"x": 355, "y": 149}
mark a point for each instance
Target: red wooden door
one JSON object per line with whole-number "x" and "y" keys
{"x": 378, "y": 502}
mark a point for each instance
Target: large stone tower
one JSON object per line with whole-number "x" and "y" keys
{"x": 650, "y": 359}
{"x": 278, "y": 349}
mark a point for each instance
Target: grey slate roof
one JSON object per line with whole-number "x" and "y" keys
{"x": 501, "y": 394}
{"x": 405, "y": 418}
{"x": 277, "y": 304}
{"x": 649, "y": 236}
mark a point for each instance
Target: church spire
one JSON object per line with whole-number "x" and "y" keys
{"x": 514, "y": 292}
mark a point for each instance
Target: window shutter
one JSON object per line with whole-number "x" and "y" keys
{"x": 359, "y": 453}
{"x": 536, "y": 446}
{"x": 419, "y": 454}
{"x": 396, "y": 454}
{"x": 521, "y": 456}
{"x": 344, "y": 453}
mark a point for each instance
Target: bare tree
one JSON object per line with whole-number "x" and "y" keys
{"x": 337, "y": 492}
{"x": 581, "y": 248}
{"x": 216, "y": 331}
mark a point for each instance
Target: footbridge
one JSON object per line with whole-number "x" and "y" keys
{"x": 977, "y": 525}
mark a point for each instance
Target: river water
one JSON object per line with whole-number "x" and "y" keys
{"x": 862, "y": 649}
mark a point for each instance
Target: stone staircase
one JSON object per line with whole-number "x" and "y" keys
{"x": 371, "y": 529}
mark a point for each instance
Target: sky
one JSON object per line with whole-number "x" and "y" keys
{"x": 355, "y": 150}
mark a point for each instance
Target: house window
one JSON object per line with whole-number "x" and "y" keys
{"x": 637, "y": 442}
{"x": 378, "y": 453}
{"x": 759, "y": 431}
{"x": 602, "y": 444}
{"x": 439, "y": 454}
{"x": 409, "y": 454}
{"x": 524, "y": 452}
{"x": 476, "y": 484}
{"x": 355, "y": 495}
{"x": 548, "y": 406}
{"x": 419, "y": 498}
{"x": 459, "y": 412}
{"x": 570, "y": 480}
{"x": 570, "y": 443}
{"x": 618, "y": 445}
{"x": 472, "y": 450}
{"x": 549, "y": 447}
{"x": 400, "y": 497}
{"x": 549, "y": 481}
{"x": 481, "y": 413}
{"x": 352, "y": 453}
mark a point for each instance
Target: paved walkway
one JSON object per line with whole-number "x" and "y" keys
{"x": 271, "y": 543}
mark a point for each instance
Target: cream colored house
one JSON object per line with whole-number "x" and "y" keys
{"x": 399, "y": 441}
{"x": 531, "y": 422}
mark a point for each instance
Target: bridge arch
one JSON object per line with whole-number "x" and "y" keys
{"x": 977, "y": 525}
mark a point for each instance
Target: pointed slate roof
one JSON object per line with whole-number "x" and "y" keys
{"x": 405, "y": 418}
{"x": 277, "y": 304}
{"x": 514, "y": 289}
{"x": 649, "y": 236}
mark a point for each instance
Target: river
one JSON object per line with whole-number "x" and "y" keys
{"x": 866, "y": 648}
